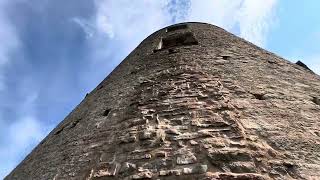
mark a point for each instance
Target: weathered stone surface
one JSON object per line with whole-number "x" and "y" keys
{"x": 217, "y": 108}
{"x": 142, "y": 175}
{"x": 127, "y": 168}
{"x": 186, "y": 158}
{"x": 106, "y": 169}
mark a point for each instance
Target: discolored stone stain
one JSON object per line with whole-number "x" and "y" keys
{"x": 192, "y": 101}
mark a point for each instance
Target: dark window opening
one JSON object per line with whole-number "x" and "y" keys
{"x": 289, "y": 166}
{"x": 225, "y": 57}
{"x": 316, "y": 100}
{"x": 259, "y": 96}
{"x": 175, "y": 40}
{"x": 106, "y": 112}
{"x": 177, "y": 27}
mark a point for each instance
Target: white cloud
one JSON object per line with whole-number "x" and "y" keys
{"x": 255, "y": 19}
{"x": 9, "y": 42}
{"x": 251, "y": 18}
{"x": 218, "y": 12}
{"x": 127, "y": 19}
{"x": 20, "y": 136}
{"x": 85, "y": 25}
{"x": 117, "y": 27}
{"x": 23, "y": 134}
{"x": 178, "y": 10}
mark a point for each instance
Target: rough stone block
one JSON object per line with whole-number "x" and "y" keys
{"x": 187, "y": 158}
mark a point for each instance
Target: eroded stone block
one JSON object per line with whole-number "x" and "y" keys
{"x": 137, "y": 157}
{"x": 127, "y": 139}
{"x": 242, "y": 167}
{"x": 228, "y": 155}
{"x": 127, "y": 168}
{"x": 187, "y": 158}
{"x": 143, "y": 175}
{"x": 106, "y": 169}
{"x": 196, "y": 169}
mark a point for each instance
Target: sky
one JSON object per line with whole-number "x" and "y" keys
{"x": 53, "y": 52}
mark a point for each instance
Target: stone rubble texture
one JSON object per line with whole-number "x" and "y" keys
{"x": 220, "y": 109}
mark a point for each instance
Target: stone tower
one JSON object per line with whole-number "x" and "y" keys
{"x": 192, "y": 101}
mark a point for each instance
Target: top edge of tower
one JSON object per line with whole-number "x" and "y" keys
{"x": 194, "y": 23}
{"x": 188, "y": 23}
{"x": 204, "y": 33}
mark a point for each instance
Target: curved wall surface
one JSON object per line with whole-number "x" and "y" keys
{"x": 192, "y": 101}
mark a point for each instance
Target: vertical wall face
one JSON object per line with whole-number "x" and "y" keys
{"x": 189, "y": 102}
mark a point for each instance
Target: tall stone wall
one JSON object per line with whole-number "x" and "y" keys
{"x": 192, "y": 101}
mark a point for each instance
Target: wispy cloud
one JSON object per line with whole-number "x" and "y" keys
{"x": 9, "y": 42}
{"x": 86, "y": 26}
{"x": 18, "y": 139}
{"x": 21, "y": 135}
{"x": 115, "y": 33}
{"x": 139, "y": 19}
{"x": 251, "y": 19}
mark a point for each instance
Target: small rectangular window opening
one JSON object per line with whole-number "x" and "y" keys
{"x": 181, "y": 39}
{"x": 177, "y": 27}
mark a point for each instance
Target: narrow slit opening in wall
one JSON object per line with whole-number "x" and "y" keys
{"x": 181, "y": 39}
{"x": 58, "y": 131}
{"x": 176, "y": 27}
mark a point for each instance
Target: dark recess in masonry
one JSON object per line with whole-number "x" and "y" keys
{"x": 175, "y": 40}
{"x": 316, "y": 100}
{"x": 259, "y": 96}
{"x": 172, "y": 51}
{"x": 225, "y": 57}
{"x": 58, "y": 131}
{"x": 106, "y": 112}
{"x": 177, "y": 27}
{"x": 74, "y": 123}
{"x": 68, "y": 126}
{"x": 100, "y": 86}
{"x": 299, "y": 63}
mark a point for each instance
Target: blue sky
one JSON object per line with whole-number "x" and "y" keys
{"x": 52, "y": 52}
